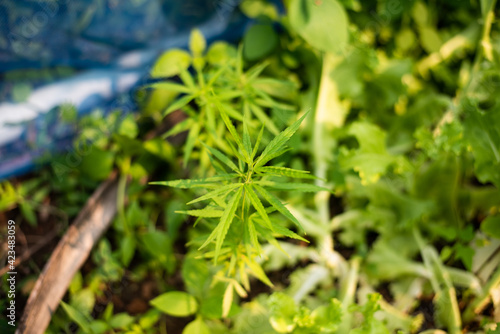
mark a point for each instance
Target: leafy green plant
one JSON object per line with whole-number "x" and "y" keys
{"x": 220, "y": 79}
{"x": 252, "y": 180}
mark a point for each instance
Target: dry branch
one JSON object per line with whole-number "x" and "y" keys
{"x": 68, "y": 257}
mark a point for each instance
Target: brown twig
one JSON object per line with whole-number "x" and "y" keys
{"x": 69, "y": 255}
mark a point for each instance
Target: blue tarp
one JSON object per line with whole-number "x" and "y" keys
{"x": 89, "y": 53}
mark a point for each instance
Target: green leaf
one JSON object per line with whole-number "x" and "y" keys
{"x": 28, "y": 213}
{"x": 282, "y": 310}
{"x": 190, "y": 141}
{"x": 304, "y": 187}
{"x": 277, "y": 143}
{"x": 77, "y": 317}
{"x": 277, "y": 204}
{"x": 171, "y": 86}
{"x": 371, "y": 159}
{"x": 208, "y": 212}
{"x": 222, "y": 157}
{"x": 187, "y": 79}
{"x": 482, "y": 132}
{"x": 217, "y": 192}
{"x": 197, "y": 183}
{"x": 286, "y": 90}
{"x": 257, "y": 143}
{"x": 265, "y": 120}
{"x": 220, "y": 53}
{"x": 231, "y": 128}
{"x": 225, "y": 222}
{"x": 309, "y": 19}
{"x": 247, "y": 143}
{"x": 252, "y": 233}
{"x": 287, "y": 233}
{"x": 259, "y": 41}
{"x": 127, "y": 249}
{"x": 196, "y": 326}
{"x": 97, "y": 164}
{"x": 178, "y": 104}
{"x": 491, "y": 226}
{"x": 328, "y": 317}
{"x": 257, "y": 204}
{"x": 171, "y": 63}
{"x": 258, "y": 272}
{"x": 176, "y": 303}
{"x": 121, "y": 320}
{"x": 227, "y": 301}
{"x": 149, "y": 319}
{"x": 197, "y": 43}
{"x": 255, "y": 70}
{"x": 487, "y": 6}
{"x": 159, "y": 244}
{"x": 284, "y": 171}
{"x": 128, "y": 127}
{"x": 196, "y": 276}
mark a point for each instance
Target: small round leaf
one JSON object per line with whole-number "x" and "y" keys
{"x": 259, "y": 41}
{"x": 322, "y": 23}
{"x": 171, "y": 63}
{"x": 176, "y": 303}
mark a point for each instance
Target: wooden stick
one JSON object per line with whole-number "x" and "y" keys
{"x": 68, "y": 257}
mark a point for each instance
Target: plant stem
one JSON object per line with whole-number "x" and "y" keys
{"x": 120, "y": 197}
{"x": 482, "y": 301}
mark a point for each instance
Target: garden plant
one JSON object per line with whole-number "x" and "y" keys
{"x": 335, "y": 171}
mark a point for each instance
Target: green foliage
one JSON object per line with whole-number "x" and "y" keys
{"x": 237, "y": 192}
{"x": 309, "y": 19}
{"x": 176, "y": 303}
{"x": 392, "y": 106}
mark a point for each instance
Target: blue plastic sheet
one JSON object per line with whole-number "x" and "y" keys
{"x": 89, "y": 53}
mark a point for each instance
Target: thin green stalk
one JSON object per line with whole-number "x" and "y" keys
{"x": 348, "y": 292}
{"x": 441, "y": 283}
{"x": 482, "y": 301}
{"x": 120, "y": 197}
